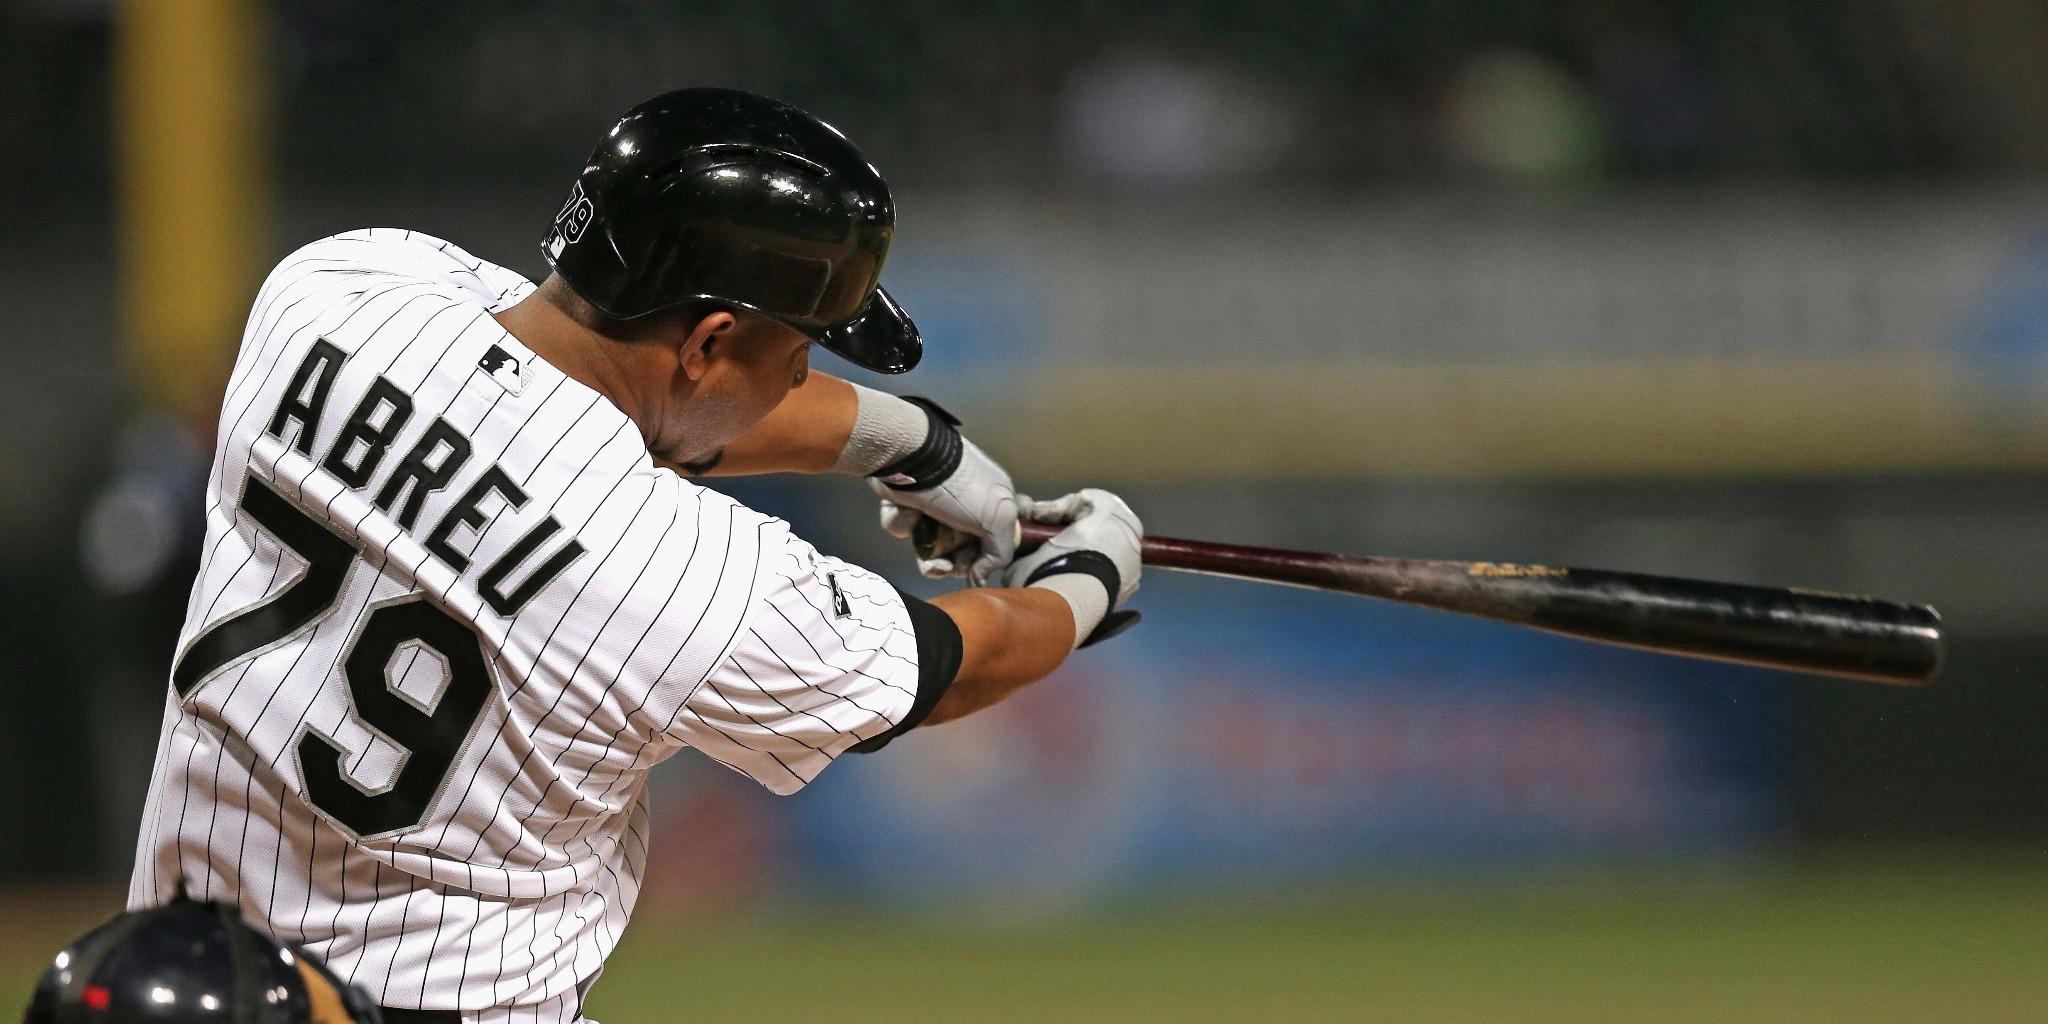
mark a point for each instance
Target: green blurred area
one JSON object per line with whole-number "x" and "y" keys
{"x": 1869, "y": 940}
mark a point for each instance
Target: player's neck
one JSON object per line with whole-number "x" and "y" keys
{"x": 580, "y": 353}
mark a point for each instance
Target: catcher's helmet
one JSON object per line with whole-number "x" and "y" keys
{"x": 188, "y": 962}
{"x": 720, "y": 195}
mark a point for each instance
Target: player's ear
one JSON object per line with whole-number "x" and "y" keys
{"x": 695, "y": 351}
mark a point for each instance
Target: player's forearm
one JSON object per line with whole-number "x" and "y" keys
{"x": 1009, "y": 638}
{"x": 831, "y": 425}
{"x": 805, "y": 434}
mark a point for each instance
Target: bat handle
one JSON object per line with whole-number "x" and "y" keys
{"x": 1030, "y": 535}
{"x": 1161, "y": 552}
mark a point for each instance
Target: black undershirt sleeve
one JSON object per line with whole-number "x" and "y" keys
{"x": 939, "y": 650}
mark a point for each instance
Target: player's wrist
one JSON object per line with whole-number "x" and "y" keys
{"x": 1089, "y": 582}
{"x": 936, "y": 453}
{"x": 908, "y": 443}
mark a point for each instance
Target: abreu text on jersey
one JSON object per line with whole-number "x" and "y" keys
{"x": 357, "y": 452}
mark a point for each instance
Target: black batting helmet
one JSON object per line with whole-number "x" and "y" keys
{"x": 721, "y": 195}
{"x": 189, "y": 962}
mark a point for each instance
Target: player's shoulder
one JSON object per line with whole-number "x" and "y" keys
{"x": 369, "y": 260}
{"x": 783, "y": 560}
{"x": 714, "y": 510}
{"x": 728, "y": 530}
{"x": 376, "y": 249}
{"x": 361, "y": 251}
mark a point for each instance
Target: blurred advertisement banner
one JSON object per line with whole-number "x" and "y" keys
{"x": 1256, "y": 735}
{"x": 1451, "y": 335}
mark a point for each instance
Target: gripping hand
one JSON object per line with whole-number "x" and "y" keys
{"x": 1094, "y": 562}
{"x": 952, "y": 483}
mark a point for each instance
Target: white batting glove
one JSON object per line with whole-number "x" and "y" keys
{"x": 977, "y": 502}
{"x": 1094, "y": 563}
{"x": 934, "y": 485}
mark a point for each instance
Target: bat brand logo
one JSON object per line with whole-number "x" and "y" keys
{"x": 1510, "y": 569}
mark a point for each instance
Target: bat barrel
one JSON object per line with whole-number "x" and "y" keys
{"x": 1804, "y": 631}
{"x": 1829, "y": 634}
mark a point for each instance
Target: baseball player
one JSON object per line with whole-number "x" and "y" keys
{"x": 459, "y": 593}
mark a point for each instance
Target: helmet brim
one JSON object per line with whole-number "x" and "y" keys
{"x": 882, "y": 338}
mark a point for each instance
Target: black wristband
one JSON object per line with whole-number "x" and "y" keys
{"x": 1094, "y": 563}
{"x": 934, "y": 460}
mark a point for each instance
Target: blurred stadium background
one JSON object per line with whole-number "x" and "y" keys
{"x": 1748, "y": 289}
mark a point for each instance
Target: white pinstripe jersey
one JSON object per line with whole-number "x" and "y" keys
{"x": 449, "y": 615}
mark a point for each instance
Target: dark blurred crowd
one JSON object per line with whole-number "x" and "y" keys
{"x": 1078, "y": 92}
{"x": 1081, "y": 93}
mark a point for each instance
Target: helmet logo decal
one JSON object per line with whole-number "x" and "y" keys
{"x": 574, "y": 217}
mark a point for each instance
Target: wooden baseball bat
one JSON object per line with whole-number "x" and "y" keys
{"x": 1861, "y": 638}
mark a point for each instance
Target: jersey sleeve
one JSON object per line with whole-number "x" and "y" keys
{"x": 828, "y": 659}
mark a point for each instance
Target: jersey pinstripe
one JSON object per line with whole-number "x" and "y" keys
{"x": 448, "y": 616}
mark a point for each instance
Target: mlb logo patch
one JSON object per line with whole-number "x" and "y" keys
{"x": 504, "y": 368}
